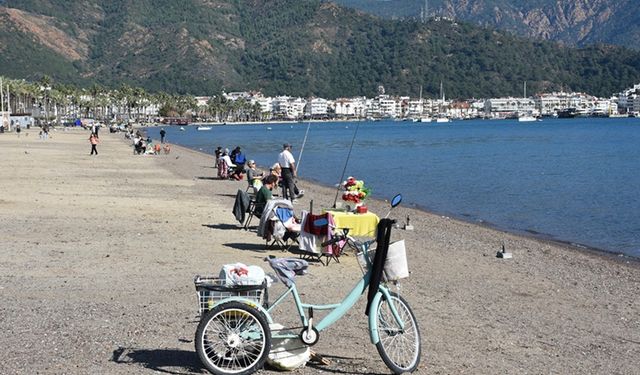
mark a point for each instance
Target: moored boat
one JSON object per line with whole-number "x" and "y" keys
{"x": 526, "y": 118}
{"x": 204, "y": 128}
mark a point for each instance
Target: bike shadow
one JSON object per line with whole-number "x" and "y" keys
{"x": 168, "y": 361}
{"x": 314, "y": 364}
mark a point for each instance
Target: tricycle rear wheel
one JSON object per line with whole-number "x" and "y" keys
{"x": 233, "y": 338}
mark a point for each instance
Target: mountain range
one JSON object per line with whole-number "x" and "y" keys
{"x": 573, "y": 22}
{"x": 289, "y": 47}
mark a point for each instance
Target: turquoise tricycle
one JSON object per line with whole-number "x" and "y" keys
{"x": 234, "y": 334}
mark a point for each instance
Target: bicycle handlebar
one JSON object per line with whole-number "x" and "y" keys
{"x": 337, "y": 238}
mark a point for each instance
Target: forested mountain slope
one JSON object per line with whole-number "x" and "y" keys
{"x": 289, "y": 47}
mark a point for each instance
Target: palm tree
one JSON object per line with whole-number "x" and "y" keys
{"x": 45, "y": 87}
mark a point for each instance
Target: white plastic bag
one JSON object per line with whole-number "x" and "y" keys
{"x": 287, "y": 354}
{"x": 396, "y": 267}
{"x": 241, "y": 274}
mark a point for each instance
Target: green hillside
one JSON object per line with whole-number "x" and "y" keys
{"x": 290, "y": 47}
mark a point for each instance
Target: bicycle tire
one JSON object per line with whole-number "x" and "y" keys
{"x": 399, "y": 349}
{"x": 233, "y": 338}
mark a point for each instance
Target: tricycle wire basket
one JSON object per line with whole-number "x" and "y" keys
{"x": 212, "y": 289}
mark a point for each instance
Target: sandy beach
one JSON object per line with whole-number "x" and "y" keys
{"x": 98, "y": 255}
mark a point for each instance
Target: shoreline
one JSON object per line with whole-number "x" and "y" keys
{"x": 607, "y": 254}
{"x": 99, "y": 254}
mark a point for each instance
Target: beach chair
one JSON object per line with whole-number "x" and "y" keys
{"x": 312, "y": 235}
{"x": 243, "y": 208}
{"x": 284, "y": 218}
{"x": 277, "y": 224}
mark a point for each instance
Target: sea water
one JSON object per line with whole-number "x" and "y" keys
{"x": 571, "y": 180}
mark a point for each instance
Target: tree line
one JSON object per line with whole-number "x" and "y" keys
{"x": 58, "y": 102}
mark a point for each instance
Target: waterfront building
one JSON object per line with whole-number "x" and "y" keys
{"x": 508, "y": 107}
{"x": 350, "y": 107}
{"x": 296, "y": 108}
{"x": 627, "y": 98}
{"x": 317, "y": 108}
{"x": 415, "y": 108}
{"x": 384, "y": 107}
{"x": 266, "y": 106}
{"x": 279, "y": 108}
{"x": 237, "y": 95}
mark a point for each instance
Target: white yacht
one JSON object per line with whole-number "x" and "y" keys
{"x": 526, "y": 118}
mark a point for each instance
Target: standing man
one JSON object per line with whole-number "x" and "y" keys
{"x": 162, "y": 134}
{"x": 287, "y": 162}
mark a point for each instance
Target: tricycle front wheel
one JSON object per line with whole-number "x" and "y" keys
{"x": 399, "y": 348}
{"x": 233, "y": 338}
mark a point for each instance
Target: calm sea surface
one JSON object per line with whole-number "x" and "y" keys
{"x": 573, "y": 180}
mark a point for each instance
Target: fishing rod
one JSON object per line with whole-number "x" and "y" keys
{"x": 345, "y": 164}
{"x": 304, "y": 141}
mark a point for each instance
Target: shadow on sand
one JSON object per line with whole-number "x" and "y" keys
{"x": 223, "y": 226}
{"x": 260, "y": 247}
{"x": 168, "y": 361}
{"x": 354, "y": 362}
{"x": 178, "y": 362}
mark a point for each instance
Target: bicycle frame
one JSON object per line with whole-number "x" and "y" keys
{"x": 338, "y": 309}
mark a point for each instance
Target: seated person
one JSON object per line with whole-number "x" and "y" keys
{"x": 276, "y": 170}
{"x": 254, "y": 177}
{"x": 224, "y": 164}
{"x": 237, "y": 158}
{"x": 264, "y": 194}
{"x": 150, "y": 149}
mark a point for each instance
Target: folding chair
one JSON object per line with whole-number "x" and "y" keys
{"x": 312, "y": 235}
{"x": 251, "y": 213}
{"x": 286, "y": 229}
{"x": 274, "y": 230}
{"x": 244, "y": 208}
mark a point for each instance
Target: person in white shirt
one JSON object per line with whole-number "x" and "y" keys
{"x": 287, "y": 162}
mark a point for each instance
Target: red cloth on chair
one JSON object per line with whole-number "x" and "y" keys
{"x": 318, "y": 230}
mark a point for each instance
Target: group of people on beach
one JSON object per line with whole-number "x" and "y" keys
{"x": 234, "y": 165}
{"x": 146, "y": 146}
{"x": 230, "y": 164}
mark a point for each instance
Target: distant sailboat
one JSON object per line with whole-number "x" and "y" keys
{"x": 423, "y": 118}
{"x": 442, "y": 117}
{"x": 526, "y": 117}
